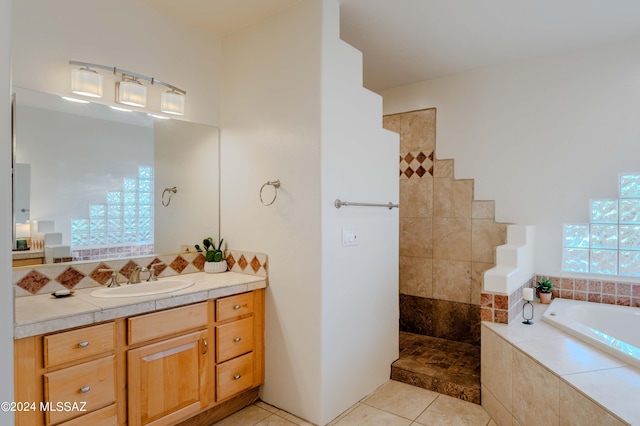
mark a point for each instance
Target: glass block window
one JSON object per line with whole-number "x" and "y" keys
{"x": 125, "y": 219}
{"x": 610, "y": 242}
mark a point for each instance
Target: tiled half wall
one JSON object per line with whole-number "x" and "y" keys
{"x": 447, "y": 239}
{"x": 44, "y": 279}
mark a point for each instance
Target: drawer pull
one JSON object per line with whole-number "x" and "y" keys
{"x": 237, "y": 377}
{"x": 237, "y": 339}
{"x": 83, "y": 344}
{"x": 206, "y": 346}
{"x": 85, "y": 389}
{"x": 236, "y": 307}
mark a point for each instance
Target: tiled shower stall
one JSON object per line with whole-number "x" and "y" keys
{"x": 447, "y": 241}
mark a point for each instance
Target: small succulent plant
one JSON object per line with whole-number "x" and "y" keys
{"x": 212, "y": 254}
{"x": 544, "y": 285}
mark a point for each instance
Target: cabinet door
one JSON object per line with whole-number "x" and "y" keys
{"x": 168, "y": 380}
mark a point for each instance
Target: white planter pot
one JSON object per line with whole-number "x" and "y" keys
{"x": 215, "y": 267}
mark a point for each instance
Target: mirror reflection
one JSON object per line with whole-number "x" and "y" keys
{"x": 89, "y": 181}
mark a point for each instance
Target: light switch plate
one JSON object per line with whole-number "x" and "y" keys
{"x": 349, "y": 238}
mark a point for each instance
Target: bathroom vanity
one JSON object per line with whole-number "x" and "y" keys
{"x": 188, "y": 357}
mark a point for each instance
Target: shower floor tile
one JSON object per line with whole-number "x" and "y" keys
{"x": 444, "y": 366}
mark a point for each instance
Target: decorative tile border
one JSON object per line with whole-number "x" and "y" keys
{"x": 42, "y": 279}
{"x": 417, "y": 164}
{"x": 503, "y": 309}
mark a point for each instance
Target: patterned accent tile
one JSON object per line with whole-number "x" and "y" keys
{"x": 416, "y": 164}
{"x": 128, "y": 268}
{"x": 242, "y": 262}
{"x": 179, "y": 264}
{"x": 33, "y": 282}
{"x": 255, "y": 264}
{"x": 230, "y": 261}
{"x": 198, "y": 262}
{"x": 70, "y": 277}
{"x": 158, "y": 269}
{"x": 101, "y": 277}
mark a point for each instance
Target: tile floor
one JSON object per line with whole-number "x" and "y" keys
{"x": 392, "y": 404}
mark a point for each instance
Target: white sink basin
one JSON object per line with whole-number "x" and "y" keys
{"x": 142, "y": 289}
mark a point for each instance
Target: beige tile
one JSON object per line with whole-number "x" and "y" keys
{"x": 416, "y": 198}
{"x": 275, "y": 420}
{"x": 578, "y": 410}
{"x": 265, "y": 406}
{"x": 492, "y": 423}
{"x": 401, "y": 399}
{"x": 496, "y": 372}
{"x": 452, "y": 280}
{"x": 542, "y": 390}
{"x": 477, "y": 280}
{"x": 416, "y": 237}
{"x": 292, "y": 419}
{"x": 417, "y": 130}
{"x": 416, "y": 276}
{"x": 452, "y": 239}
{"x": 486, "y": 235}
{"x": 366, "y": 415}
{"x": 248, "y": 416}
{"x": 483, "y": 209}
{"x": 452, "y": 198}
{"x": 391, "y": 122}
{"x": 447, "y": 410}
{"x": 496, "y": 411}
{"x": 616, "y": 388}
{"x": 564, "y": 355}
{"x": 344, "y": 414}
{"x": 443, "y": 169}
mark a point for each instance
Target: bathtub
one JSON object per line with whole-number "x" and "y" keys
{"x": 612, "y": 329}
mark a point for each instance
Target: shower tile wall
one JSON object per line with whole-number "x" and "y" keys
{"x": 447, "y": 239}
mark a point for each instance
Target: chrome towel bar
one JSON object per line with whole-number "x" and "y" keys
{"x": 339, "y": 204}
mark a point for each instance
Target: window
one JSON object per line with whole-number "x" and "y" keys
{"x": 610, "y": 242}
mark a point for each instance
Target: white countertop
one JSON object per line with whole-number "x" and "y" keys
{"x": 44, "y": 313}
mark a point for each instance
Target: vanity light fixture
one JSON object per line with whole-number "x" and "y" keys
{"x": 172, "y": 102}
{"x": 130, "y": 90}
{"x": 86, "y": 82}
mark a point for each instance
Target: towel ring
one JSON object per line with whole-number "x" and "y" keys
{"x": 171, "y": 191}
{"x": 276, "y": 185}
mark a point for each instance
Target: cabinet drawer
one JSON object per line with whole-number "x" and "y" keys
{"x": 234, "y": 376}
{"x": 159, "y": 324}
{"x": 234, "y": 306}
{"x": 78, "y": 344}
{"x": 92, "y": 383}
{"x": 234, "y": 338}
{"x": 107, "y": 416}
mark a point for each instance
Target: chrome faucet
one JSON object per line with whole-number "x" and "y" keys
{"x": 114, "y": 277}
{"x": 135, "y": 274}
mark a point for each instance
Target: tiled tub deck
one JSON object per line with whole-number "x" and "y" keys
{"x": 538, "y": 375}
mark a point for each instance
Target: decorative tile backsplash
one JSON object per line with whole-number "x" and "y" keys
{"x": 43, "y": 279}
{"x": 503, "y": 309}
{"x": 416, "y": 165}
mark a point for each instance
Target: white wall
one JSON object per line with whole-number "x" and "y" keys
{"x": 295, "y": 110}
{"x": 541, "y": 137}
{"x": 123, "y": 33}
{"x": 271, "y": 130}
{"x": 6, "y": 290}
{"x": 360, "y": 283}
{"x": 186, "y": 156}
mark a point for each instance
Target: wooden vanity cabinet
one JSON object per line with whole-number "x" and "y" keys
{"x": 188, "y": 365}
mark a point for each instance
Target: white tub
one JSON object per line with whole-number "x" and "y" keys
{"x": 612, "y": 329}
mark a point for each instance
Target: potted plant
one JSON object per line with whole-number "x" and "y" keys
{"x": 215, "y": 261}
{"x": 544, "y": 287}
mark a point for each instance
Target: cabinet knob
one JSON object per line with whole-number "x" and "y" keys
{"x": 237, "y": 339}
{"x": 85, "y": 389}
{"x": 236, "y": 307}
{"x": 236, "y": 377}
{"x": 83, "y": 344}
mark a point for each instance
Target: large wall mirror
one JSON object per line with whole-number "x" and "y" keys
{"x": 102, "y": 183}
